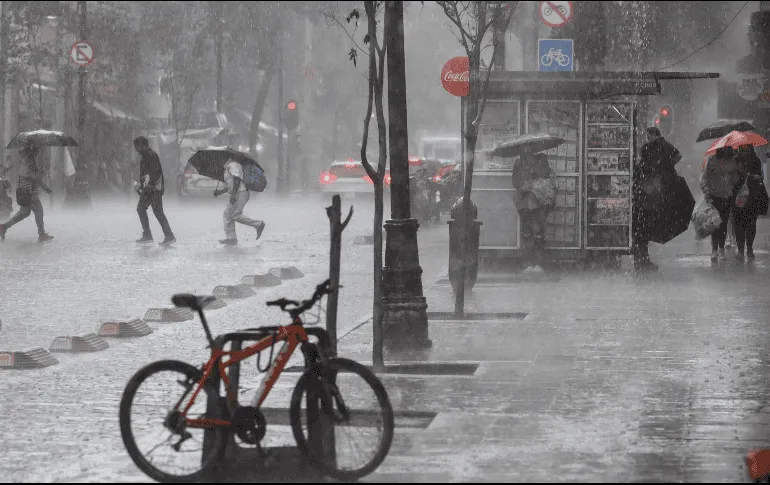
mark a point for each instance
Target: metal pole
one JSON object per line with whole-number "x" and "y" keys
{"x": 280, "y": 186}
{"x": 219, "y": 71}
{"x": 3, "y": 68}
{"x": 80, "y": 193}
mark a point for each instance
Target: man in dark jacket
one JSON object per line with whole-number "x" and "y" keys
{"x": 151, "y": 188}
{"x": 656, "y": 163}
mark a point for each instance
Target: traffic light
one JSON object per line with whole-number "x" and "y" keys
{"x": 291, "y": 115}
{"x": 665, "y": 119}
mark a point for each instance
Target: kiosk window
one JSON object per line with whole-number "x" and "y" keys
{"x": 562, "y": 119}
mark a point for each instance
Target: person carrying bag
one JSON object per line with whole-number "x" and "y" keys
{"x": 750, "y": 202}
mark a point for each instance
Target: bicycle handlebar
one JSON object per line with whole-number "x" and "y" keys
{"x": 300, "y": 308}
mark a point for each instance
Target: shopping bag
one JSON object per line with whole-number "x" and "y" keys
{"x": 69, "y": 167}
{"x": 544, "y": 190}
{"x": 742, "y": 197}
{"x": 705, "y": 218}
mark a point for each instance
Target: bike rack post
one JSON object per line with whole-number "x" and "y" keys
{"x": 240, "y": 464}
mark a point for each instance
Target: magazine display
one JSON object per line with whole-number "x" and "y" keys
{"x": 608, "y": 174}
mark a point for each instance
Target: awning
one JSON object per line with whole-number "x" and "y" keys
{"x": 114, "y": 112}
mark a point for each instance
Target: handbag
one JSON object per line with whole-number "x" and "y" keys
{"x": 23, "y": 197}
{"x": 742, "y": 197}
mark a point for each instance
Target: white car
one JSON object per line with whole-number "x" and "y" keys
{"x": 349, "y": 178}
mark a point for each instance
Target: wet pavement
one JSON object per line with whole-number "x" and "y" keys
{"x": 609, "y": 377}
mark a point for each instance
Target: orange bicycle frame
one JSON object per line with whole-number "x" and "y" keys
{"x": 293, "y": 334}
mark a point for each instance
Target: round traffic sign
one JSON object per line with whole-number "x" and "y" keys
{"x": 82, "y": 53}
{"x": 455, "y": 76}
{"x": 555, "y": 13}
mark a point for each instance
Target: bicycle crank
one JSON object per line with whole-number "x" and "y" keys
{"x": 249, "y": 424}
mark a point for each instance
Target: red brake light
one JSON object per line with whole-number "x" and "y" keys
{"x": 387, "y": 178}
{"x": 437, "y": 178}
{"x": 350, "y": 163}
{"x": 368, "y": 179}
{"x": 327, "y": 178}
{"x": 415, "y": 161}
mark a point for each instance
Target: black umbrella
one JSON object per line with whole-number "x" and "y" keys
{"x": 536, "y": 142}
{"x": 42, "y": 138}
{"x": 210, "y": 162}
{"x": 670, "y": 213}
{"x": 722, "y": 128}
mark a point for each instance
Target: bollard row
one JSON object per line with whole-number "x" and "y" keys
{"x": 38, "y": 358}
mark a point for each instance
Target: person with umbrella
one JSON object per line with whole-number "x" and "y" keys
{"x": 151, "y": 188}
{"x": 534, "y": 194}
{"x": 239, "y": 196}
{"x": 30, "y": 178}
{"x": 719, "y": 182}
{"x": 747, "y": 210}
{"x": 656, "y": 165}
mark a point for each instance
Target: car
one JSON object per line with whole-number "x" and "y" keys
{"x": 349, "y": 178}
{"x": 196, "y": 185}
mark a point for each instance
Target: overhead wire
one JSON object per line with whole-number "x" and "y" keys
{"x": 709, "y": 43}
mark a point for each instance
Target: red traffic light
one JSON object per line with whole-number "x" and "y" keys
{"x": 657, "y": 120}
{"x": 664, "y": 111}
{"x": 292, "y": 105}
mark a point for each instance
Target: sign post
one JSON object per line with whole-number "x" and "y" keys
{"x": 555, "y": 55}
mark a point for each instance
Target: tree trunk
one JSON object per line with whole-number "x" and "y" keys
{"x": 259, "y": 106}
{"x": 3, "y": 72}
{"x": 378, "y": 359}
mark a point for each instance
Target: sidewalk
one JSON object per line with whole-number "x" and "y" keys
{"x": 610, "y": 377}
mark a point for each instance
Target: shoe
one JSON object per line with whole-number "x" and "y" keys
{"x": 714, "y": 256}
{"x": 168, "y": 241}
{"x": 750, "y": 256}
{"x": 722, "y": 255}
{"x": 2, "y": 232}
{"x": 146, "y": 238}
{"x": 44, "y": 237}
{"x": 534, "y": 269}
{"x": 260, "y": 228}
{"x": 229, "y": 242}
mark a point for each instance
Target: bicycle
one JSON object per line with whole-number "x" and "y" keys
{"x": 554, "y": 55}
{"x": 322, "y": 374}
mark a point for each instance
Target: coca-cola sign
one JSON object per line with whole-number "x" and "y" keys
{"x": 455, "y": 76}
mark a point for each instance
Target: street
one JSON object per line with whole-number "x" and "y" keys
{"x": 610, "y": 376}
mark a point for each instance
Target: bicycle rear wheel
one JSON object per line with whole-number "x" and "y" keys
{"x": 150, "y": 405}
{"x": 360, "y": 407}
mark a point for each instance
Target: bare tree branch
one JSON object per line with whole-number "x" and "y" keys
{"x": 331, "y": 16}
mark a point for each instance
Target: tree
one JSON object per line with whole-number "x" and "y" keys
{"x": 473, "y": 22}
{"x": 376, "y": 78}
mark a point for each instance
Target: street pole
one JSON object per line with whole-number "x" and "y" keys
{"x": 219, "y": 70}
{"x": 280, "y": 186}
{"x": 3, "y": 69}
{"x": 404, "y": 318}
{"x": 80, "y": 195}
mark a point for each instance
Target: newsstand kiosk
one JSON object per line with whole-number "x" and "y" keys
{"x": 601, "y": 116}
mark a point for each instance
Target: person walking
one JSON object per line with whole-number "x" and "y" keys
{"x": 719, "y": 182}
{"x": 534, "y": 194}
{"x": 239, "y": 196}
{"x": 151, "y": 188}
{"x": 27, "y": 194}
{"x": 746, "y": 213}
{"x": 656, "y": 163}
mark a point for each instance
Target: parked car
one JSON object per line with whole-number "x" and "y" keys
{"x": 349, "y": 178}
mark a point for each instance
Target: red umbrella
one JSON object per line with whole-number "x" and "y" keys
{"x": 735, "y": 139}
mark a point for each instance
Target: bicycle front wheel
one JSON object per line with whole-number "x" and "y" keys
{"x": 358, "y": 411}
{"x": 153, "y": 428}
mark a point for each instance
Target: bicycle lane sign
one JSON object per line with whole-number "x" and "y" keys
{"x": 555, "y": 55}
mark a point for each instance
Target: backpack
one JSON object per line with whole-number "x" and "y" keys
{"x": 254, "y": 177}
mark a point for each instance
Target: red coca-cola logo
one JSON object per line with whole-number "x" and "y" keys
{"x": 455, "y": 76}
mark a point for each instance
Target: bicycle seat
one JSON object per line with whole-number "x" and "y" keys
{"x": 196, "y": 303}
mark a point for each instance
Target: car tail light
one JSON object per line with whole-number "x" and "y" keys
{"x": 415, "y": 161}
{"x": 350, "y": 163}
{"x": 327, "y": 178}
{"x": 368, "y": 179}
{"x": 387, "y": 178}
{"x": 437, "y": 178}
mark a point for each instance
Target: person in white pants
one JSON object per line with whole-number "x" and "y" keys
{"x": 239, "y": 196}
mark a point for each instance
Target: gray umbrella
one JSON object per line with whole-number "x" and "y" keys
{"x": 535, "y": 142}
{"x": 42, "y": 138}
{"x": 722, "y": 128}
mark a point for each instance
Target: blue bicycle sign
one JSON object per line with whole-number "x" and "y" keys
{"x": 555, "y": 55}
